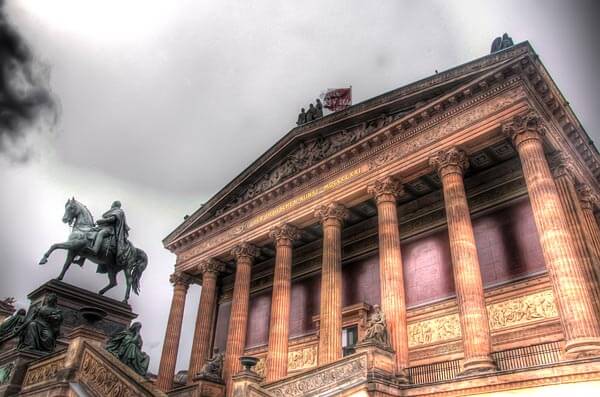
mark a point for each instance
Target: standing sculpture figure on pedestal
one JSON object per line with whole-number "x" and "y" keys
{"x": 106, "y": 244}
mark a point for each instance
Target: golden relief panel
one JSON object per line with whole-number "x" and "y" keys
{"x": 43, "y": 373}
{"x": 298, "y": 359}
{"x": 522, "y": 310}
{"x": 434, "y": 330}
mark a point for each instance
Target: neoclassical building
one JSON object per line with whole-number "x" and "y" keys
{"x": 463, "y": 205}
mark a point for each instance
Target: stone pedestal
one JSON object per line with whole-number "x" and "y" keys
{"x": 71, "y": 299}
{"x": 13, "y": 366}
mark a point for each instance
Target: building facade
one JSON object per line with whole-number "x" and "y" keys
{"x": 462, "y": 204}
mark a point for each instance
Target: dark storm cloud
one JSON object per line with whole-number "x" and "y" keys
{"x": 25, "y": 99}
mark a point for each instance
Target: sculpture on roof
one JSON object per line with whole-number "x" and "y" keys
{"x": 314, "y": 112}
{"x": 104, "y": 242}
{"x": 501, "y": 43}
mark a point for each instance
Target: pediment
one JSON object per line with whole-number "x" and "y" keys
{"x": 304, "y": 148}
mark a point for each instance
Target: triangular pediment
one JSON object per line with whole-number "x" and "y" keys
{"x": 309, "y": 145}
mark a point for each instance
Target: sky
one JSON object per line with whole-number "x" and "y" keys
{"x": 161, "y": 103}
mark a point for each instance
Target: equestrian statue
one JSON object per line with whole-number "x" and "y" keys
{"x": 104, "y": 242}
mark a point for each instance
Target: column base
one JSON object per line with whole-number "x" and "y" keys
{"x": 402, "y": 376}
{"x": 478, "y": 365}
{"x": 582, "y": 347}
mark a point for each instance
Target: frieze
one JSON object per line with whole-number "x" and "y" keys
{"x": 271, "y": 214}
{"x": 325, "y": 379}
{"x": 101, "y": 379}
{"x": 302, "y": 358}
{"x": 522, "y": 310}
{"x": 434, "y": 330}
{"x": 43, "y": 373}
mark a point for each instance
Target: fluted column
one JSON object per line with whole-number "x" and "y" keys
{"x": 574, "y": 304}
{"x": 236, "y": 335}
{"x": 391, "y": 276}
{"x": 210, "y": 270}
{"x": 564, "y": 176}
{"x": 279, "y": 326}
{"x": 450, "y": 165}
{"x": 330, "y": 330}
{"x": 588, "y": 201}
{"x": 168, "y": 358}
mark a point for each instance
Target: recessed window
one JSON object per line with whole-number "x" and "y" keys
{"x": 349, "y": 339}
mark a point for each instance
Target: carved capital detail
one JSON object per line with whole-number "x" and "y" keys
{"x": 284, "y": 234}
{"x": 244, "y": 250}
{"x": 587, "y": 197}
{"x": 211, "y": 265}
{"x": 452, "y": 160}
{"x": 524, "y": 127}
{"x": 180, "y": 279}
{"x": 386, "y": 189}
{"x": 564, "y": 166}
{"x": 333, "y": 210}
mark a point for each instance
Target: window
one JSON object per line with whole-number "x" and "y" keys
{"x": 349, "y": 339}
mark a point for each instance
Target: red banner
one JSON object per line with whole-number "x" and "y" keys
{"x": 336, "y": 99}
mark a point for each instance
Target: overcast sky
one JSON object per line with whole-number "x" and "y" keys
{"x": 164, "y": 102}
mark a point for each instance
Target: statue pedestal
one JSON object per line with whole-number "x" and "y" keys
{"x": 13, "y": 365}
{"x": 71, "y": 299}
{"x": 381, "y": 362}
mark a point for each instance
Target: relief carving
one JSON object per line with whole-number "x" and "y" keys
{"x": 43, "y": 373}
{"x": 522, "y": 310}
{"x": 326, "y": 379}
{"x": 101, "y": 379}
{"x": 434, "y": 330}
{"x": 302, "y": 358}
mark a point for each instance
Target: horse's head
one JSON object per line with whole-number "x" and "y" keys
{"x": 72, "y": 211}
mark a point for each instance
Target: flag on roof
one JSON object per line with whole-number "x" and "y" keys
{"x": 336, "y": 99}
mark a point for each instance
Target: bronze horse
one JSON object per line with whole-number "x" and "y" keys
{"x": 79, "y": 249}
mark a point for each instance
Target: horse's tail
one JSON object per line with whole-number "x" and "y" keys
{"x": 141, "y": 261}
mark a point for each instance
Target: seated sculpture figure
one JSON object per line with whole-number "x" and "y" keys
{"x": 213, "y": 367}
{"x": 127, "y": 347}
{"x": 8, "y": 326}
{"x": 377, "y": 328}
{"x": 41, "y": 328}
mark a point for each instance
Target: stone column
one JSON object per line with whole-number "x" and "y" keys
{"x": 236, "y": 335}
{"x": 168, "y": 358}
{"x": 450, "y": 165}
{"x": 279, "y": 326}
{"x": 574, "y": 304}
{"x": 588, "y": 201}
{"x": 210, "y": 270}
{"x": 391, "y": 276}
{"x": 330, "y": 330}
{"x": 564, "y": 176}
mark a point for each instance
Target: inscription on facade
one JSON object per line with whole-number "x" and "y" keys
{"x": 273, "y": 213}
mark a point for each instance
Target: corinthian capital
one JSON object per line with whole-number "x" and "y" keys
{"x": 333, "y": 210}
{"x": 452, "y": 160}
{"x": 525, "y": 126}
{"x": 211, "y": 265}
{"x": 563, "y": 166}
{"x": 284, "y": 234}
{"x": 244, "y": 250}
{"x": 180, "y": 279}
{"x": 587, "y": 197}
{"x": 386, "y": 189}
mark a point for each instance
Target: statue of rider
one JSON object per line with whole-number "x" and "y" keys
{"x": 114, "y": 223}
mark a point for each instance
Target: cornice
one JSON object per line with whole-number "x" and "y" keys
{"x": 462, "y": 71}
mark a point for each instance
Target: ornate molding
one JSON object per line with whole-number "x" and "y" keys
{"x": 180, "y": 279}
{"x": 522, "y": 310}
{"x": 564, "y": 166}
{"x": 212, "y": 265}
{"x": 452, "y": 160}
{"x": 524, "y": 127}
{"x": 244, "y": 250}
{"x": 101, "y": 379}
{"x": 333, "y": 210}
{"x": 284, "y": 234}
{"x": 326, "y": 379}
{"x": 43, "y": 373}
{"x": 435, "y": 330}
{"x": 386, "y": 189}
